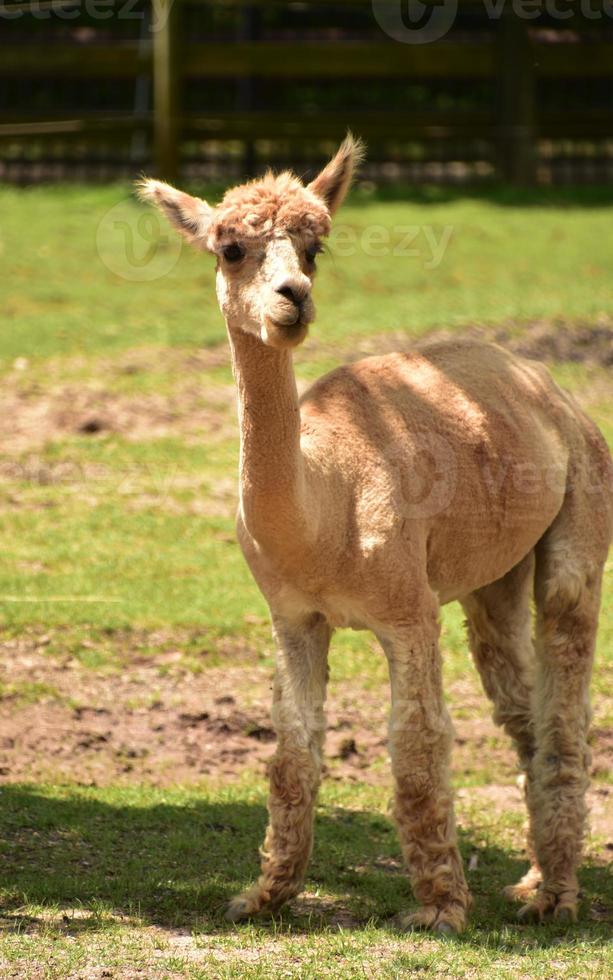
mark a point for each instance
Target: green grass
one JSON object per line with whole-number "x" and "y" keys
{"x": 107, "y": 538}
{"x": 126, "y": 870}
{"x": 142, "y": 569}
{"x": 58, "y": 296}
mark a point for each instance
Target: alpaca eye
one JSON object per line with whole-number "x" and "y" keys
{"x": 312, "y": 251}
{"x": 233, "y": 253}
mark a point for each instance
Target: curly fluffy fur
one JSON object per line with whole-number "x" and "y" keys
{"x": 272, "y": 204}
{"x": 457, "y": 472}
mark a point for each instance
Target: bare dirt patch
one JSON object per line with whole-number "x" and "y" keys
{"x": 32, "y": 414}
{"x": 152, "y": 718}
{"x": 155, "y": 721}
{"x": 29, "y": 419}
{"x": 562, "y": 342}
{"x": 552, "y": 341}
{"x": 558, "y": 341}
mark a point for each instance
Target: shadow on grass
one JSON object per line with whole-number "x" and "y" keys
{"x": 502, "y": 195}
{"x": 175, "y": 864}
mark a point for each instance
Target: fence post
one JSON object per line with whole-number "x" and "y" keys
{"x": 164, "y": 27}
{"x": 248, "y": 24}
{"x": 517, "y": 101}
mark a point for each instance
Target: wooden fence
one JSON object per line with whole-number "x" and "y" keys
{"x": 512, "y": 57}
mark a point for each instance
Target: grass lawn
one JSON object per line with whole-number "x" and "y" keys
{"x": 135, "y": 657}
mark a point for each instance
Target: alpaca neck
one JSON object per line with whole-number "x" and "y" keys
{"x": 271, "y": 463}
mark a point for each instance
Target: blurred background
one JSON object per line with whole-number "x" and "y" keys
{"x": 451, "y": 91}
{"x": 135, "y": 649}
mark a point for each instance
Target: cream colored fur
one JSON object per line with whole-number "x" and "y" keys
{"x": 457, "y": 472}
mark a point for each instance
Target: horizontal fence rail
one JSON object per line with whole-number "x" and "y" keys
{"x": 305, "y": 59}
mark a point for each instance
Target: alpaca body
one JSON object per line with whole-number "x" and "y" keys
{"x": 399, "y": 483}
{"x": 469, "y": 438}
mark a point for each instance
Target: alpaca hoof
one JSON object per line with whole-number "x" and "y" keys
{"x": 447, "y": 921}
{"x": 239, "y": 908}
{"x": 519, "y": 892}
{"x": 531, "y": 912}
{"x": 547, "y": 905}
{"x": 258, "y": 901}
{"x": 246, "y": 905}
{"x": 566, "y": 914}
{"x": 525, "y": 888}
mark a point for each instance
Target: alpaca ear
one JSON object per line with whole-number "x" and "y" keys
{"x": 333, "y": 182}
{"x": 191, "y": 216}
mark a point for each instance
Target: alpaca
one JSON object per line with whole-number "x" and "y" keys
{"x": 397, "y": 484}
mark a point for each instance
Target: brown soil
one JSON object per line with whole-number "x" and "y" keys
{"x": 155, "y": 719}
{"x": 158, "y": 722}
{"x": 31, "y": 415}
{"x": 551, "y": 341}
{"x": 29, "y": 419}
{"x": 562, "y": 342}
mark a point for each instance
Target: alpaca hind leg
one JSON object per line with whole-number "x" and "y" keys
{"x": 420, "y": 739}
{"x": 499, "y": 622}
{"x": 570, "y": 560}
{"x": 295, "y": 769}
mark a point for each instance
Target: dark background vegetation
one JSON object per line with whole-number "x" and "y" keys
{"x": 95, "y": 89}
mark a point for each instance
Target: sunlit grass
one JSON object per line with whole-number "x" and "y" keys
{"x": 58, "y": 294}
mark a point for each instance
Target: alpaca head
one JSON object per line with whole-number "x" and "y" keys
{"x": 266, "y": 235}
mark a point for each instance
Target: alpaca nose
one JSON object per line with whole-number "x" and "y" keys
{"x": 294, "y": 290}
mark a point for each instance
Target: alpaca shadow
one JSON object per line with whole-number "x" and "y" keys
{"x": 176, "y": 865}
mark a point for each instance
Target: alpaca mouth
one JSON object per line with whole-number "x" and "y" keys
{"x": 289, "y": 319}
{"x": 289, "y": 328}
{"x": 290, "y": 325}
{"x": 294, "y": 318}
{"x": 284, "y": 333}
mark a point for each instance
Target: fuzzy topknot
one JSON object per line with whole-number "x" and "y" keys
{"x": 272, "y": 202}
{"x": 264, "y": 207}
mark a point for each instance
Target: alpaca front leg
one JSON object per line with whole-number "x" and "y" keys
{"x": 295, "y": 769}
{"x": 421, "y": 736}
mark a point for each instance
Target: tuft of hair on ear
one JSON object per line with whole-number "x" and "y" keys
{"x": 332, "y": 184}
{"x": 191, "y": 216}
